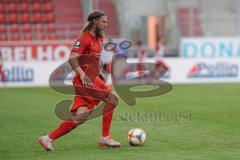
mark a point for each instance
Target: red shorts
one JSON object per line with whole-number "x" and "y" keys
{"x": 89, "y": 97}
{"x": 159, "y": 64}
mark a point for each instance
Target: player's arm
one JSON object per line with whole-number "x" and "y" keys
{"x": 77, "y": 50}
{"x": 73, "y": 61}
{"x": 100, "y": 72}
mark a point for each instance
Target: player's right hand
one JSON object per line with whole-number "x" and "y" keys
{"x": 86, "y": 81}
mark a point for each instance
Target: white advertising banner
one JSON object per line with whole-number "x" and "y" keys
{"x": 220, "y": 47}
{"x": 28, "y": 51}
{"x": 219, "y": 70}
{"x": 181, "y": 70}
{"x": 30, "y": 63}
{"x": 27, "y": 73}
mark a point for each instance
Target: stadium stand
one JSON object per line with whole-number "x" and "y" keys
{"x": 220, "y": 18}
{"x": 108, "y": 6}
{"x": 189, "y": 22}
{"x": 46, "y": 19}
{"x": 27, "y": 20}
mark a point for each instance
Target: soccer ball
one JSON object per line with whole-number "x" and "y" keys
{"x": 136, "y": 137}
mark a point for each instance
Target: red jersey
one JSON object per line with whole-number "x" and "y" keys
{"x": 89, "y": 49}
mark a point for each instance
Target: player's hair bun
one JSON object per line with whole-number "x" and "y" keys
{"x": 95, "y": 14}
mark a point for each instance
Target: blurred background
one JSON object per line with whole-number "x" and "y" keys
{"x": 192, "y": 44}
{"x": 197, "y": 40}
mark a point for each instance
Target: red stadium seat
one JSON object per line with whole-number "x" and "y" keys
{"x": 37, "y": 18}
{"x": 1, "y": 8}
{"x": 3, "y": 29}
{"x": 47, "y": 1}
{"x": 183, "y": 16}
{"x": 52, "y": 37}
{"x": 24, "y": 18}
{"x": 3, "y": 37}
{"x": 12, "y": 18}
{"x": 26, "y": 1}
{"x": 24, "y": 7}
{"x": 49, "y": 18}
{"x": 15, "y": 37}
{"x": 36, "y": 7}
{"x": 38, "y": 28}
{"x": 48, "y": 7}
{"x": 36, "y": 1}
{"x": 51, "y": 27}
{"x": 40, "y": 37}
{"x": 27, "y": 37}
{"x": 2, "y": 18}
{"x": 14, "y": 28}
{"x": 11, "y": 7}
{"x": 12, "y": 1}
{"x": 26, "y": 28}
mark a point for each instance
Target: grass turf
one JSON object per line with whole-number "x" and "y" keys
{"x": 208, "y": 129}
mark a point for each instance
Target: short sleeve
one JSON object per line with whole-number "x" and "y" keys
{"x": 80, "y": 45}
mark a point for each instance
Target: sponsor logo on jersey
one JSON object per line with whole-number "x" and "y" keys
{"x": 77, "y": 44}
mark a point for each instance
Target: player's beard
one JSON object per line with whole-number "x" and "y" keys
{"x": 99, "y": 33}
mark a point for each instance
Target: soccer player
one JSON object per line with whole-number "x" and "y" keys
{"x": 160, "y": 49}
{"x": 142, "y": 54}
{"x": 89, "y": 76}
{"x": 160, "y": 67}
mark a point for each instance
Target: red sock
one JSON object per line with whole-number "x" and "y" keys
{"x": 107, "y": 118}
{"x": 63, "y": 129}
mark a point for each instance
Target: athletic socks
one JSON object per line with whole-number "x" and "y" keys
{"x": 64, "y": 128}
{"x": 107, "y": 118}
{"x": 68, "y": 125}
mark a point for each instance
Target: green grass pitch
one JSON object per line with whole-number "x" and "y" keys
{"x": 198, "y": 122}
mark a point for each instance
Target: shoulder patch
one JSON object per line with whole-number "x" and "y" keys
{"x": 77, "y": 44}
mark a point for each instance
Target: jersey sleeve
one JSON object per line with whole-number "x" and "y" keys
{"x": 80, "y": 45}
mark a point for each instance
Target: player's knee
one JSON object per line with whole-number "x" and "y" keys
{"x": 112, "y": 98}
{"x": 80, "y": 118}
{"x": 81, "y": 115}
